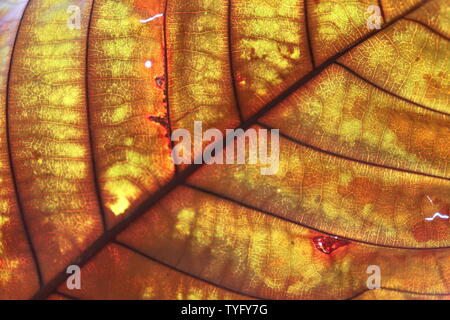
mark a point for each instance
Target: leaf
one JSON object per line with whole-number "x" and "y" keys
{"x": 87, "y": 177}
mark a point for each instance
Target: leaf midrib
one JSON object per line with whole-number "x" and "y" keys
{"x": 179, "y": 179}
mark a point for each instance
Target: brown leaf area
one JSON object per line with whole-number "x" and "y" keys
{"x": 87, "y": 178}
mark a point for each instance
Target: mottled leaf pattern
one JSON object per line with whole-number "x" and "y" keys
{"x": 86, "y": 176}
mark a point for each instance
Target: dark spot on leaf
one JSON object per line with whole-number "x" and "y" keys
{"x": 160, "y": 81}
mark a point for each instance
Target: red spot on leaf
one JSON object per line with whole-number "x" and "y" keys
{"x": 328, "y": 244}
{"x": 240, "y": 80}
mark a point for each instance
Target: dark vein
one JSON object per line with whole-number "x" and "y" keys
{"x": 91, "y": 124}
{"x": 389, "y": 92}
{"x": 111, "y": 233}
{"x": 274, "y": 215}
{"x": 341, "y": 156}
{"x": 124, "y": 245}
{"x": 400, "y": 291}
{"x": 356, "y": 295}
{"x": 380, "y": 4}
{"x": 179, "y": 179}
{"x": 230, "y": 58}
{"x": 308, "y": 33}
{"x": 429, "y": 28}
{"x": 166, "y": 78}
{"x": 10, "y": 157}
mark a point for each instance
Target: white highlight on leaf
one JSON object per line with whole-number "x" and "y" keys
{"x": 148, "y": 64}
{"x": 159, "y": 15}
{"x": 437, "y": 214}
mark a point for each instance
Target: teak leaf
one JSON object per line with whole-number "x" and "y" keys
{"x": 88, "y": 104}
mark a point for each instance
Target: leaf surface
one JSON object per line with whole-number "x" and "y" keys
{"x": 87, "y": 177}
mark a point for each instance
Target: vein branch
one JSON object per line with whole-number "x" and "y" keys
{"x": 439, "y": 34}
{"x": 137, "y": 251}
{"x": 308, "y": 33}
{"x": 399, "y": 291}
{"x": 353, "y": 72}
{"x": 182, "y": 177}
{"x": 91, "y": 125}
{"x": 18, "y": 197}
{"x": 274, "y": 215}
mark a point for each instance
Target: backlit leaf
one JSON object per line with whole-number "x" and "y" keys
{"x": 87, "y": 179}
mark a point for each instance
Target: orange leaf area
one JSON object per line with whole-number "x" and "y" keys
{"x": 86, "y": 174}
